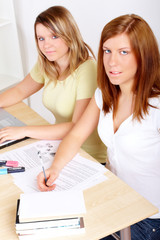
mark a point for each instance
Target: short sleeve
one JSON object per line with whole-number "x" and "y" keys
{"x": 98, "y": 98}
{"x": 36, "y": 74}
{"x": 87, "y": 79}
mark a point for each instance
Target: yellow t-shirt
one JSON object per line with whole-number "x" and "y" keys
{"x": 60, "y": 98}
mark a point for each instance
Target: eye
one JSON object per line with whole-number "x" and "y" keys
{"x": 54, "y": 36}
{"x": 124, "y": 52}
{"x": 40, "y": 38}
{"x": 107, "y": 51}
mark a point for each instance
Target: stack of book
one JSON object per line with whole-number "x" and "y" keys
{"x": 49, "y": 214}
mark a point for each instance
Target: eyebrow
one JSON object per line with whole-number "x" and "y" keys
{"x": 122, "y": 48}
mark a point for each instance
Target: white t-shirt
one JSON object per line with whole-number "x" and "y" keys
{"x": 134, "y": 150}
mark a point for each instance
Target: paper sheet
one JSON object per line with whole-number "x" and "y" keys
{"x": 27, "y": 156}
{"x": 80, "y": 173}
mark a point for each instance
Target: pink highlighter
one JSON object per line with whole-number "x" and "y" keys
{"x": 8, "y": 163}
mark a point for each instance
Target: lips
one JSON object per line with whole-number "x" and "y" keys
{"x": 50, "y": 52}
{"x": 114, "y": 73}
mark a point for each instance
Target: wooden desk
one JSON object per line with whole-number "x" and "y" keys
{"x": 111, "y": 205}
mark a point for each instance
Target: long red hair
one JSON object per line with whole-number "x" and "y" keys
{"x": 145, "y": 47}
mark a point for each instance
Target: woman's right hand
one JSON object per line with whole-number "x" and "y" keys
{"x": 51, "y": 175}
{"x": 12, "y": 133}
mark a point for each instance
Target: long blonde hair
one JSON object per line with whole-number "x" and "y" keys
{"x": 60, "y": 21}
{"x": 145, "y": 48}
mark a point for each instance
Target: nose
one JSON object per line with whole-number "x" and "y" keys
{"x": 47, "y": 43}
{"x": 113, "y": 59}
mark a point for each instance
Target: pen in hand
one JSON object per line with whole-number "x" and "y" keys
{"x": 40, "y": 157}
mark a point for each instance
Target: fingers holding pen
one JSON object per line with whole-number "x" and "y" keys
{"x": 49, "y": 185}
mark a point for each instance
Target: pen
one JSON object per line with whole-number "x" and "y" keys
{"x": 4, "y": 171}
{"x": 44, "y": 174}
{"x": 40, "y": 157}
{"x": 8, "y": 163}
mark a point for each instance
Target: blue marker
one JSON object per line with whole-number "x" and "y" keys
{"x": 4, "y": 171}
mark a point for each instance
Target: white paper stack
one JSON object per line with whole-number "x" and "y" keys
{"x": 48, "y": 214}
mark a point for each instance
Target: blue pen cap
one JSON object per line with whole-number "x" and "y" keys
{"x": 3, "y": 171}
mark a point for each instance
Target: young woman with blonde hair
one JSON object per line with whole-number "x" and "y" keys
{"x": 68, "y": 75}
{"x": 126, "y": 108}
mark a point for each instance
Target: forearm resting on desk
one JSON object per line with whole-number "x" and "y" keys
{"x": 47, "y": 132}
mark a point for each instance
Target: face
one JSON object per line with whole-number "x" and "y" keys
{"x": 119, "y": 61}
{"x": 52, "y": 46}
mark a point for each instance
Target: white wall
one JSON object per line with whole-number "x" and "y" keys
{"x": 90, "y": 15}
